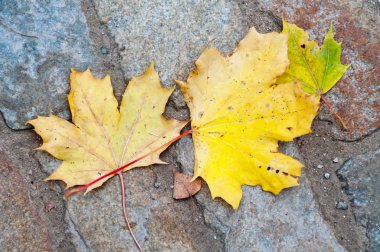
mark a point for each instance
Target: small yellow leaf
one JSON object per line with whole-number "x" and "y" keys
{"x": 102, "y": 137}
{"x": 239, "y": 114}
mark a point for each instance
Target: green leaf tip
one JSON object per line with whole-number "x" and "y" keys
{"x": 317, "y": 68}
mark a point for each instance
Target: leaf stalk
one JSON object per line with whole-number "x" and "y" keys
{"x": 84, "y": 187}
{"x": 334, "y": 113}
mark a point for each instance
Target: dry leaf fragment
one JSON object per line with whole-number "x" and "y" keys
{"x": 238, "y": 115}
{"x": 103, "y": 137}
{"x": 184, "y": 187}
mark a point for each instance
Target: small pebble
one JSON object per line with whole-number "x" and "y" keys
{"x": 341, "y": 205}
{"x": 319, "y": 166}
{"x": 172, "y": 186}
{"x": 336, "y": 160}
{"x": 104, "y": 50}
{"x": 157, "y": 185}
{"x": 326, "y": 175}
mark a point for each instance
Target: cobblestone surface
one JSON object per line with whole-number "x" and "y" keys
{"x": 121, "y": 38}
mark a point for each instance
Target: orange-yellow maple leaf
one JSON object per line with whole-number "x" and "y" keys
{"x": 103, "y": 137}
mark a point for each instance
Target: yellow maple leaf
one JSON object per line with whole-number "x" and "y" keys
{"x": 103, "y": 137}
{"x": 238, "y": 115}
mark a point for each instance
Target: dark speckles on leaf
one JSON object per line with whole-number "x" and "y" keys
{"x": 289, "y": 128}
{"x": 303, "y": 46}
{"x": 200, "y": 114}
{"x": 268, "y": 168}
{"x": 259, "y": 166}
{"x": 285, "y": 173}
{"x": 230, "y": 108}
{"x": 277, "y": 171}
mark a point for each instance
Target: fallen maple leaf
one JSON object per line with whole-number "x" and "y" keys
{"x": 102, "y": 137}
{"x": 317, "y": 68}
{"x": 184, "y": 187}
{"x": 238, "y": 115}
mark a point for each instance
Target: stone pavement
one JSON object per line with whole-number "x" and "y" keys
{"x": 41, "y": 41}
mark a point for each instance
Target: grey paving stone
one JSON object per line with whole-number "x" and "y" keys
{"x": 170, "y": 33}
{"x": 34, "y": 71}
{"x": 361, "y": 178}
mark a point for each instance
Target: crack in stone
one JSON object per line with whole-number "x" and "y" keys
{"x": 101, "y": 35}
{"x": 219, "y": 233}
{"x": 359, "y": 139}
{"x": 78, "y": 240}
{"x": 9, "y": 127}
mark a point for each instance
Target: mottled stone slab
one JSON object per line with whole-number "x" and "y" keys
{"x": 35, "y": 70}
{"x": 31, "y": 210}
{"x": 21, "y": 227}
{"x": 170, "y": 33}
{"x": 356, "y": 96}
{"x": 361, "y": 178}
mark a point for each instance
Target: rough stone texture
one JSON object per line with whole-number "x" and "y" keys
{"x": 356, "y": 25}
{"x": 170, "y": 33}
{"x": 19, "y": 222}
{"x": 34, "y": 72}
{"x": 321, "y": 148}
{"x": 38, "y": 63}
{"x": 32, "y": 211}
{"x": 361, "y": 178}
